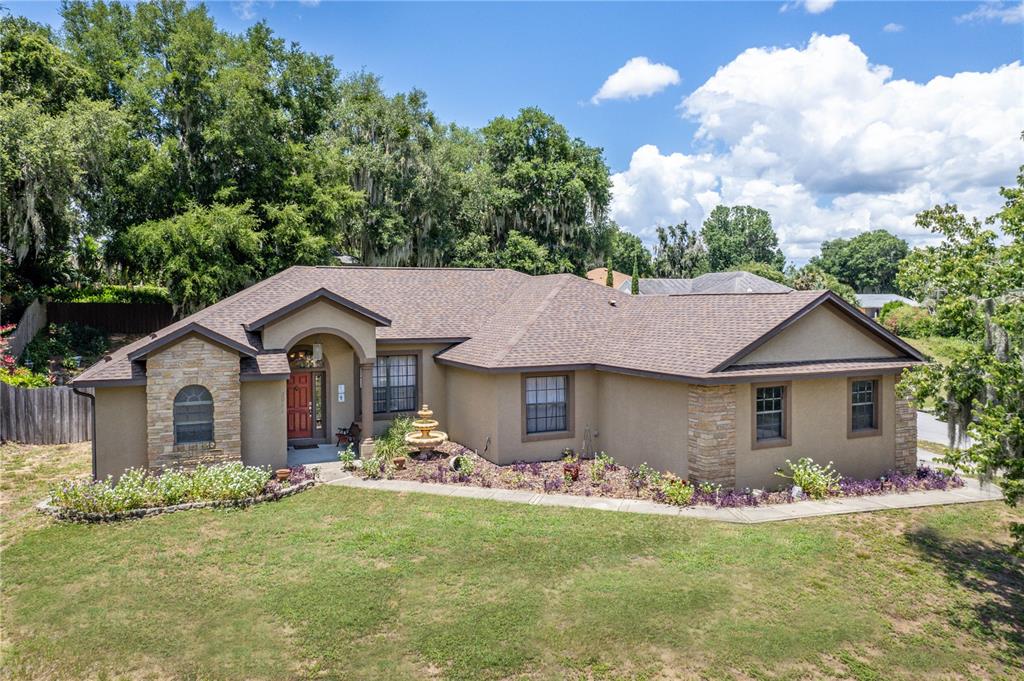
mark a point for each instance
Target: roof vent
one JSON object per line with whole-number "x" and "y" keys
{"x": 613, "y": 302}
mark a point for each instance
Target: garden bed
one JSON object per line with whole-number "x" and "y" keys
{"x": 140, "y": 494}
{"x": 602, "y": 477}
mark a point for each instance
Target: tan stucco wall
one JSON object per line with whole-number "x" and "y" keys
{"x": 819, "y": 431}
{"x": 264, "y": 427}
{"x": 120, "y": 430}
{"x": 321, "y": 316}
{"x": 193, "y": 360}
{"x": 471, "y": 409}
{"x": 642, "y": 419}
{"x": 509, "y": 401}
{"x": 823, "y": 333}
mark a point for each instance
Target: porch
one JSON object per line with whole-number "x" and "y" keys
{"x": 312, "y": 455}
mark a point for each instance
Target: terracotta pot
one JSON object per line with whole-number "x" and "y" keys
{"x": 572, "y": 470}
{"x": 282, "y": 474}
{"x": 399, "y": 462}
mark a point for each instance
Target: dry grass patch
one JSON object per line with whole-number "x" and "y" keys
{"x": 26, "y": 473}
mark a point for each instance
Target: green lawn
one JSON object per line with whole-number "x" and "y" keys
{"x": 346, "y": 583}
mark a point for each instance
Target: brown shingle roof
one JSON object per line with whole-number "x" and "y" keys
{"x": 507, "y": 320}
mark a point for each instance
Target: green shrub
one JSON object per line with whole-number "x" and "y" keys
{"x": 348, "y": 458}
{"x": 677, "y": 492}
{"x": 372, "y": 467}
{"x": 66, "y": 341}
{"x": 138, "y": 488}
{"x": 905, "y": 320}
{"x": 465, "y": 466}
{"x": 111, "y": 293}
{"x": 391, "y": 443}
{"x": 816, "y": 481}
{"x": 24, "y": 378}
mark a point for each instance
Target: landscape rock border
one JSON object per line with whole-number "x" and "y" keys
{"x": 82, "y": 517}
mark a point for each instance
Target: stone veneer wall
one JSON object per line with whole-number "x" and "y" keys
{"x": 906, "y": 436}
{"x": 711, "y": 436}
{"x": 193, "y": 361}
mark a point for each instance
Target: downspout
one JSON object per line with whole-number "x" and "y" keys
{"x": 92, "y": 398}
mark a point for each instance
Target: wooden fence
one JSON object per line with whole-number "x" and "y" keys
{"x": 32, "y": 319}
{"x": 44, "y": 416}
{"x": 113, "y": 317}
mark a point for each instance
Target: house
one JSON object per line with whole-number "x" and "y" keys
{"x": 713, "y": 282}
{"x": 872, "y": 303}
{"x": 714, "y": 387}
{"x": 599, "y": 275}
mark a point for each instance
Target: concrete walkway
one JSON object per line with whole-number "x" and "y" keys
{"x": 333, "y": 474}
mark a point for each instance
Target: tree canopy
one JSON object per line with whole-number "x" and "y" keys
{"x": 976, "y": 280}
{"x": 868, "y": 262}
{"x": 146, "y": 118}
{"x": 734, "y": 235}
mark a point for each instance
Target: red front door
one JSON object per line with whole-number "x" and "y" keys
{"x": 300, "y": 401}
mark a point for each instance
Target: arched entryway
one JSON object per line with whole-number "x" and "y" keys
{"x": 321, "y": 392}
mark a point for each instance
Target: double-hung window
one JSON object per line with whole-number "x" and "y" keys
{"x": 864, "y": 402}
{"x": 546, "y": 404}
{"x": 394, "y": 384}
{"x": 771, "y": 420}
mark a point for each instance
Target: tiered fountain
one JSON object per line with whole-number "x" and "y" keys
{"x": 427, "y": 438}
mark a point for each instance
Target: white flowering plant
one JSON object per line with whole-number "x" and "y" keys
{"x": 138, "y": 488}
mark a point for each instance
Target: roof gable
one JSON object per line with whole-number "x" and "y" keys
{"x": 319, "y": 294}
{"x": 186, "y": 330}
{"x": 880, "y": 342}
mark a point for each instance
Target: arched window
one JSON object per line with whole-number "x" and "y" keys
{"x": 193, "y": 415}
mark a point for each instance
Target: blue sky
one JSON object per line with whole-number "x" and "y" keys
{"x": 479, "y": 60}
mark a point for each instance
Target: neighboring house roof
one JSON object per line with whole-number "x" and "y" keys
{"x": 873, "y": 300}
{"x": 713, "y": 282}
{"x": 599, "y": 275}
{"x": 501, "y": 320}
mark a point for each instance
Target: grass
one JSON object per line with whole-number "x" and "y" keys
{"x": 26, "y": 473}
{"x": 347, "y": 583}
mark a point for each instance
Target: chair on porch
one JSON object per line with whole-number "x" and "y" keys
{"x": 349, "y": 435}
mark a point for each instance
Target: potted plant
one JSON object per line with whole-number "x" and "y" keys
{"x": 282, "y": 474}
{"x": 399, "y": 461}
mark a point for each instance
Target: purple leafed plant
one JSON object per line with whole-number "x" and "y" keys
{"x": 536, "y": 468}
{"x": 552, "y": 485}
{"x": 519, "y": 466}
{"x": 297, "y": 474}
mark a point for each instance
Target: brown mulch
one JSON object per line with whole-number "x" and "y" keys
{"x": 604, "y": 482}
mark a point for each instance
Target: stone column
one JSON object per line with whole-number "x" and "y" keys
{"x": 711, "y": 436}
{"x": 366, "y": 447}
{"x": 906, "y": 436}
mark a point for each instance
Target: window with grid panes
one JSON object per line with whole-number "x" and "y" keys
{"x": 394, "y": 384}
{"x": 547, "y": 404}
{"x": 862, "y": 401}
{"x": 770, "y": 405}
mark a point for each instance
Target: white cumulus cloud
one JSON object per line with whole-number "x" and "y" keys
{"x": 1006, "y": 13}
{"x": 638, "y": 77}
{"x": 810, "y": 6}
{"x": 831, "y": 145}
